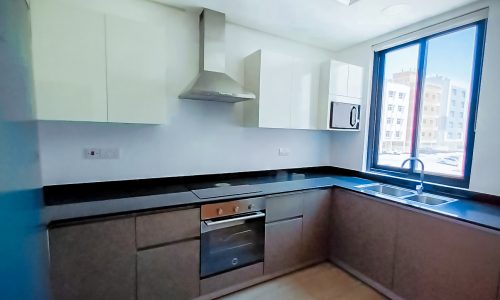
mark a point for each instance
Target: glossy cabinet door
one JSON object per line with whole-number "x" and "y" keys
{"x": 69, "y": 62}
{"x": 303, "y": 107}
{"x": 276, "y": 84}
{"x": 442, "y": 259}
{"x": 169, "y": 272}
{"x": 283, "y": 245}
{"x": 136, "y": 71}
{"x": 93, "y": 260}
{"x": 363, "y": 235}
{"x": 286, "y": 91}
{"x": 339, "y": 78}
{"x": 355, "y": 82}
{"x": 316, "y": 225}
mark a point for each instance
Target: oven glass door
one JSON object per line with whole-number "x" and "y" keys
{"x": 228, "y": 245}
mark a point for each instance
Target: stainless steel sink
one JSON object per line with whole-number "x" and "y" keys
{"x": 429, "y": 199}
{"x": 404, "y": 194}
{"x": 387, "y": 190}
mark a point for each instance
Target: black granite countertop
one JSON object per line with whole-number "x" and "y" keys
{"x": 74, "y": 201}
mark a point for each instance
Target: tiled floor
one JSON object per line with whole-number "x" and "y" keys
{"x": 324, "y": 281}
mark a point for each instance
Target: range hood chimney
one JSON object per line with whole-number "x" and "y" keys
{"x": 212, "y": 83}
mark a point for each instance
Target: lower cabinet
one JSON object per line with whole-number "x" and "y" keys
{"x": 283, "y": 245}
{"x": 442, "y": 259}
{"x": 169, "y": 272}
{"x": 363, "y": 235}
{"x": 93, "y": 260}
{"x": 414, "y": 254}
{"x": 316, "y": 225}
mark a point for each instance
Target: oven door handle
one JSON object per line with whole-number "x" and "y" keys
{"x": 231, "y": 221}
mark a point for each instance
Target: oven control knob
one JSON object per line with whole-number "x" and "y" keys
{"x": 220, "y": 211}
{"x": 250, "y": 206}
{"x": 236, "y": 209}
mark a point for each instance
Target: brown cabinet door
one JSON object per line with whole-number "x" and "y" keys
{"x": 282, "y": 245}
{"x": 169, "y": 272}
{"x": 284, "y": 206}
{"x": 441, "y": 259}
{"x": 94, "y": 260}
{"x": 161, "y": 228}
{"x": 363, "y": 235}
{"x": 316, "y": 225}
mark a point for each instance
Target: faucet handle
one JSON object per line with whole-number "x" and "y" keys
{"x": 420, "y": 189}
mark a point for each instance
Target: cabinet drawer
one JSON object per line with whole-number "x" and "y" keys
{"x": 167, "y": 227}
{"x": 284, "y": 207}
{"x": 169, "y": 272}
{"x": 283, "y": 245}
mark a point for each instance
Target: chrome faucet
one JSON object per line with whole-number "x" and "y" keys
{"x": 419, "y": 188}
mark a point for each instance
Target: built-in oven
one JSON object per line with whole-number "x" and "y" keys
{"x": 232, "y": 235}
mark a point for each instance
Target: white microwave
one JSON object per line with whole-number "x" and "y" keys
{"x": 344, "y": 115}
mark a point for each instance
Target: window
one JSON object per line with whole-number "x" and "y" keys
{"x": 399, "y": 121}
{"x": 391, "y": 94}
{"x": 389, "y": 120}
{"x": 401, "y": 95}
{"x": 435, "y": 70}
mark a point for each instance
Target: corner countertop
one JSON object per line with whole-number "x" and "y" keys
{"x": 98, "y": 199}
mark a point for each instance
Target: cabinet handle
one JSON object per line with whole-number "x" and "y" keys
{"x": 352, "y": 120}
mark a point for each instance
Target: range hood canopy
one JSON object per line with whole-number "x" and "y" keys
{"x": 212, "y": 83}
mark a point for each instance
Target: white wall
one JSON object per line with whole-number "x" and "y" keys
{"x": 201, "y": 137}
{"x": 485, "y": 164}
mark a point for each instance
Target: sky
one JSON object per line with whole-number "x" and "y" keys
{"x": 449, "y": 55}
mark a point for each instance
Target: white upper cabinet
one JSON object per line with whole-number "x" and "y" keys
{"x": 284, "y": 89}
{"x": 344, "y": 79}
{"x": 69, "y": 62}
{"x": 340, "y": 82}
{"x": 136, "y": 71}
{"x": 89, "y": 66}
{"x": 355, "y": 82}
{"x": 339, "y": 72}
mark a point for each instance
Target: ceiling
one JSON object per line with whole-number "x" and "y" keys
{"x": 324, "y": 23}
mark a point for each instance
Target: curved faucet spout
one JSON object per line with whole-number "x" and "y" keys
{"x": 419, "y": 188}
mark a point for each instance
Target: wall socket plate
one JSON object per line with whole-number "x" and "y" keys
{"x": 283, "y": 151}
{"x": 101, "y": 153}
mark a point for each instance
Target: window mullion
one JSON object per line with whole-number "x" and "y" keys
{"x": 422, "y": 60}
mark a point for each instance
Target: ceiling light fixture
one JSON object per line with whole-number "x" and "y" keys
{"x": 397, "y": 9}
{"x": 347, "y": 2}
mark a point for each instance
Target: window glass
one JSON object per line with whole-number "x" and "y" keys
{"x": 425, "y": 95}
{"x": 448, "y": 77}
{"x": 400, "y": 77}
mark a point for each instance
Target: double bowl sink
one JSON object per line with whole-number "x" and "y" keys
{"x": 404, "y": 194}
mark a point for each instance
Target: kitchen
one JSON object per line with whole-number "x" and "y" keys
{"x": 125, "y": 177}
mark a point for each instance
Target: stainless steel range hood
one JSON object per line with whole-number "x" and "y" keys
{"x": 212, "y": 83}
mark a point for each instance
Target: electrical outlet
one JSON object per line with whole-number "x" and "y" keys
{"x": 101, "y": 153}
{"x": 92, "y": 153}
{"x": 284, "y": 151}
